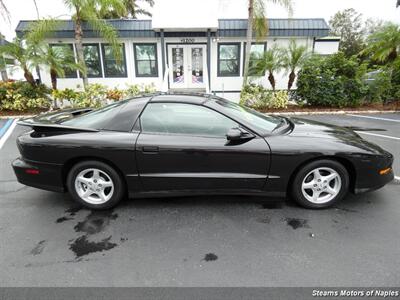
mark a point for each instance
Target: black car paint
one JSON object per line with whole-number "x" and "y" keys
{"x": 168, "y": 165}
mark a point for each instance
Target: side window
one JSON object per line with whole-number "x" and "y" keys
{"x": 188, "y": 119}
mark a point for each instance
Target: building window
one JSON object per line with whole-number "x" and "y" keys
{"x": 112, "y": 66}
{"x": 146, "y": 60}
{"x": 256, "y": 53}
{"x": 68, "y": 73}
{"x": 228, "y": 59}
{"x": 91, "y": 54}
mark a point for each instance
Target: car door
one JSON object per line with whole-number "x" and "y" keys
{"x": 183, "y": 146}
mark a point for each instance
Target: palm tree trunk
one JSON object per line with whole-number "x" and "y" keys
{"x": 271, "y": 80}
{"x": 53, "y": 75}
{"x": 79, "y": 47}
{"x": 292, "y": 77}
{"x": 249, "y": 38}
{"x": 29, "y": 77}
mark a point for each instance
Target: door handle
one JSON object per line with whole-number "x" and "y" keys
{"x": 150, "y": 149}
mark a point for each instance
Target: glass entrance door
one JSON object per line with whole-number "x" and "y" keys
{"x": 187, "y": 66}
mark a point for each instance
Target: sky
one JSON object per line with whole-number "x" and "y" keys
{"x": 382, "y": 9}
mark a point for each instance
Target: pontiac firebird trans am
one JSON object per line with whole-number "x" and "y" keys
{"x": 188, "y": 144}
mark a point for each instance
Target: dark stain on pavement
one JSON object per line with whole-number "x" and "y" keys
{"x": 81, "y": 246}
{"x": 95, "y": 222}
{"x": 297, "y": 223}
{"x": 63, "y": 219}
{"x": 38, "y": 248}
{"x": 73, "y": 210}
{"x": 345, "y": 209}
{"x": 210, "y": 257}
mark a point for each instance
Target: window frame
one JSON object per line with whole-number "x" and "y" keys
{"x": 125, "y": 75}
{"x": 100, "y": 60}
{"x": 136, "y": 60}
{"x": 238, "y": 59}
{"x": 72, "y": 45}
{"x": 140, "y": 125}
{"x": 244, "y": 52}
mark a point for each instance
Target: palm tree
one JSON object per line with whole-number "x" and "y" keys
{"x": 384, "y": 44}
{"x": 23, "y": 54}
{"x": 293, "y": 59}
{"x": 132, "y": 10}
{"x": 257, "y": 21}
{"x": 271, "y": 62}
{"x": 57, "y": 60}
{"x": 88, "y": 11}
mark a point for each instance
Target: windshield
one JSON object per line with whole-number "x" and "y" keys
{"x": 256, "y": 119}
{"x": 96, "y": 119}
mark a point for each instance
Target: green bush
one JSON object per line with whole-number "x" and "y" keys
{"x": 380, "y": 88}
{"x": 256, "y": 96}
{"x": 19, "y": 96}
{"x": 97, "y": 95}
{"x": 334, "y": 81}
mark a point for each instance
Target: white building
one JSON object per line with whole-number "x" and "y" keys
{"x": 185, "y": 55}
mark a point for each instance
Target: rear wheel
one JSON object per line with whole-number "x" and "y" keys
{"x": 95, "y": 185}
{"x": 320, "y": 184}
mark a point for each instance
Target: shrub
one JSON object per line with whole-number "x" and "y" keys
{"x": 380, "y": 88}
{"x": 136, "y": 89}
{"x": 115, "y": 94}
{"x": 19, "y": 95}
{"x": 334, "y": 81}
{"x": 95, "y": 95}
{"x": 256, "y": 96}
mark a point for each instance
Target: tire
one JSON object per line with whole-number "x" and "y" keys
{"x": 312, "y": 191}
{"x": 95, "y": 185}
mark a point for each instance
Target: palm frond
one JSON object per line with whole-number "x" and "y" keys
{"x": 42, "y": 29}
{"x": 4, "y": 12}
{"x": 294, "y": 56}
{"x": 260, "y": 24}
{"x": 287, "y": 4}
{"x": 109, "y": 33}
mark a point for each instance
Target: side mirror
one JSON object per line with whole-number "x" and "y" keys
{"x": 236, "y": 134}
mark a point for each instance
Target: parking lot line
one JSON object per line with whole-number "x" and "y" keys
{"x": 379, "y": 135}
{"x": 5, "y": 127}
{"x": 6, "y": 131}
{"x": 375, "y": 118}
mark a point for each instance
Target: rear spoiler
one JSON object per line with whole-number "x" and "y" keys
{"x": 52, "y": 121}
{"x": 54, "y": 127}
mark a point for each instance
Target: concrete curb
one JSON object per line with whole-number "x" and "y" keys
{"x": 16, "y": 116}
{"x": 335, "y": 112}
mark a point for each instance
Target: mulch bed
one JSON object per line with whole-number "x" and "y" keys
{"x": 6, "y": 113}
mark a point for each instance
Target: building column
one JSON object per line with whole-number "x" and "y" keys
{"x": 162, "y": 51}
{"x": 209, "y": 57}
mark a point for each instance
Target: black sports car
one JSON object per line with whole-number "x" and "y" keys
{"x": 186, "y": 144}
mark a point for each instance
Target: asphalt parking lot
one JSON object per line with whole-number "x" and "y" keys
{"x": 46, "y": 240}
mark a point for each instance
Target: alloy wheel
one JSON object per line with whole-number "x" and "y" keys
{"x": 94, "y": 186}
{"x": 321, "y": 185}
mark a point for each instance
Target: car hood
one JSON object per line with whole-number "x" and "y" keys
{"x": 343, "y": 135}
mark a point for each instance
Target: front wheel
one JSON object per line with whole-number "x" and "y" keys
{"x": 320, "y": 184}
{"x": 95, "y": 185}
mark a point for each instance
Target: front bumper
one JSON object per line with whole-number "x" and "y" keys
{"x": 369, "y": 177}
{"x": 47, "y": 176}
{"x": 378, "y": 183}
